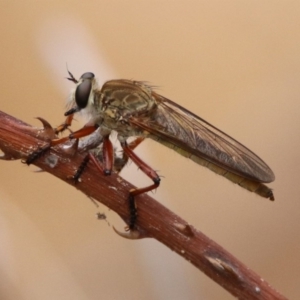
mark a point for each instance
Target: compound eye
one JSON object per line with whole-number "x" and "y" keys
{"x": 82, "y": 93}
{"x": 87, "y": 75}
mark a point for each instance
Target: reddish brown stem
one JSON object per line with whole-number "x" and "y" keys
{"x": 154, "y": 220}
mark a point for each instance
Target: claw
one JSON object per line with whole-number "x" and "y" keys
{"x": 131, "y": 234}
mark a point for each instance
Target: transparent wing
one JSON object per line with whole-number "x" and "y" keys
{"x": 173, "y": 123}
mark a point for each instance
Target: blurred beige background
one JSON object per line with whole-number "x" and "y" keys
{"x": 234, "y": 63}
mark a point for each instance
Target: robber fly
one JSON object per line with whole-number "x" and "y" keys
{"x": 133, "y": 108}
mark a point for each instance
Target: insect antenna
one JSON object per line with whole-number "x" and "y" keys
{"x": 71, "y": 78}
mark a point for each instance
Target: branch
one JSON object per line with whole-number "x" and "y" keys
{"x": 18, "y": 140}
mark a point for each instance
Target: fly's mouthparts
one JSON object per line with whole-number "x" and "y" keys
{"x": 72, "y": 111}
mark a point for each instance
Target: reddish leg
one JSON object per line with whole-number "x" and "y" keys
{"x": 65, "y": 125}
{"x": 121, "y": 162}
{"x": 107, "y": 158}
{"x": 149, "y": 172}
{"x": 132, "y": 145}
{"x": 108, "y": 155}
{"x": 84, "y": 131}
{"x": 84, "y": 163}
{"x": 145, "y": 168}
{"x": 87, "y": 130}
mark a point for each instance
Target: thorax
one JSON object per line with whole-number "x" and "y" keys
{"x": 120, "y": 100}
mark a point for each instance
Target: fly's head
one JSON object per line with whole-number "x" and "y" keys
{"x": 82, "y": 97}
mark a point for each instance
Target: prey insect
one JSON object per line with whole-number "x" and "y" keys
{"x": 133, "y": 108}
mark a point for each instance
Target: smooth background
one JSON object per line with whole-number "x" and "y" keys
{"x": 234, "y": 63}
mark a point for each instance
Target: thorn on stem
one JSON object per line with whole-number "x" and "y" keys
{"x": 185, "y": 229}
{"x": 131, "y": 234}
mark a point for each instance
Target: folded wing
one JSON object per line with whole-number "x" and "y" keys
{"x": 174, "y": 124}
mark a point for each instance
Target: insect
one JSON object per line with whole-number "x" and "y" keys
{"x": 133, "y": 108}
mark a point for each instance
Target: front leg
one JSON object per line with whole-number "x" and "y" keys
{"x": 87, "y": 130}
{"x": 84, "y": 131}
{"x": 62, "y": 127}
